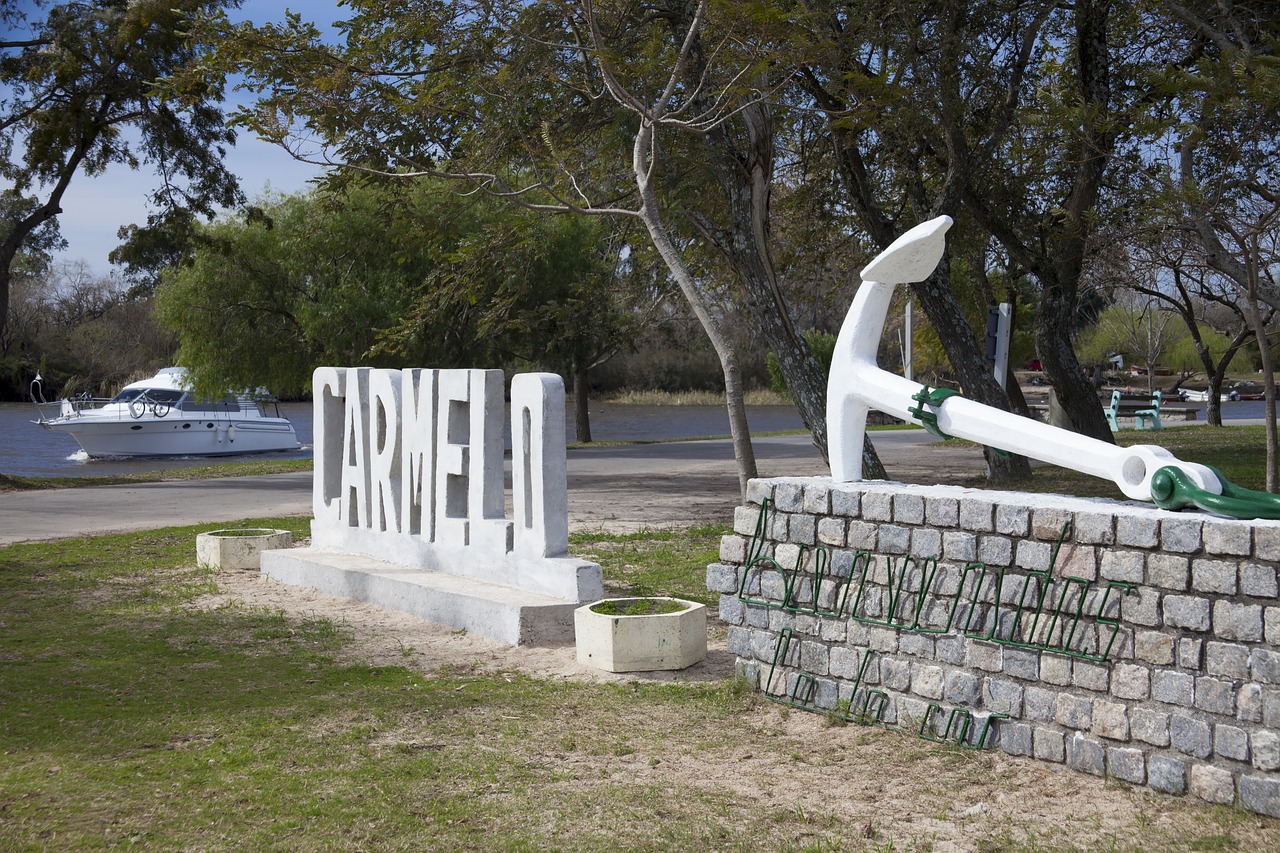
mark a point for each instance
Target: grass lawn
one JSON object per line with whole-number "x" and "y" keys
{"x": 9, "y": 482}
{"x": 1239, "y": 452}
{"x": 136, "y": 717}
{"x": 133, "y": 719}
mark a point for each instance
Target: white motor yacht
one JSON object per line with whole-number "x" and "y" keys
{"x": 158, "y": 417}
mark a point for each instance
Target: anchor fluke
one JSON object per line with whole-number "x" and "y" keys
{"x": 913, "y": 256}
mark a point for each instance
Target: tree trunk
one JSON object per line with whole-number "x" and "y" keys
{"x": 1213, "y": 401}
{"x": 936, "y": 298}
{"x": 1217, "y": 372}
{"x": 743, "y": 164}
{"x": 52, "y": 206}
{"x": 581, "y": 405}
{"x": 5, "y": 278}
{"x": 745, "y": 179}
{"x": 1075, "y": 393}
{"x": 970, "y": 366}
{"x": 739, "y": 431}
{"x": 1268, "y": 379}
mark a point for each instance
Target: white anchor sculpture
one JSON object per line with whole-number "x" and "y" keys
{"x": 857, "y": 384}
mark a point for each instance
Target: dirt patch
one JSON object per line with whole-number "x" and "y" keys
{"x": 391, "y": 638}
{"x": 879, "y": 789}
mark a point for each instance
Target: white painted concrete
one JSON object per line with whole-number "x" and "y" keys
{"x": 238, "y": 548}
{"x": 420, "y": 485}
{"x": 501, "y": 613}
{"x": 641, "y": 643}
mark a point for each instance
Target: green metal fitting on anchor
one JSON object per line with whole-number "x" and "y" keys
{"x": 934, "y": 398}
{"x": 929, "y": 420}
{"x": 1171, "y": 488}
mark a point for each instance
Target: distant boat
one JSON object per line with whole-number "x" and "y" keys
{"x": 1238, "y": 391}
{"x": 1248, "y": 391}
{"x": 1197, "y": 395}
{"x": 158, "y": 417}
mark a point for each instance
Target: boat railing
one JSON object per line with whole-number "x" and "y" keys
{"x": 144, "y": 404}
{"x": 63, "y": 407}
{"x": 83, "y": 402}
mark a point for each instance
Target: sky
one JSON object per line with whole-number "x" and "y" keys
{"x": 94, "y": 208}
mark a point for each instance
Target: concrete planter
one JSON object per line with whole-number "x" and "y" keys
{"x": 239, "y": 549}
{"x": 618, "y": 643}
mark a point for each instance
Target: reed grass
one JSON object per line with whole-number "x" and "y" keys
{"x": 634, "y": 397}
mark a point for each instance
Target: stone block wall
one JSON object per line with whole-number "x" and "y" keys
{"x": 1115, "y": 638}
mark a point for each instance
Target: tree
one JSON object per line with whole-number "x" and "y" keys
{"x": 1139, "y": 331}
{"x": 147, "y": 252}
{"x": 1217, "y": 328}
{"x": 79, "y": 96}
{"x": 82, "y": 332}
{"x": 388, "y": 275}
{"x": 608, "y": 109}
{"x": 1223, "y": 144}
{"x": 917, "y": 99}
{"x": 551, "y": 291}
{"x": 31, "y": 263}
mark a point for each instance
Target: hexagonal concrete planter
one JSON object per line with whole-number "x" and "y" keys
{"x": 617, "y": 642}
{"x": 239, "y": 548}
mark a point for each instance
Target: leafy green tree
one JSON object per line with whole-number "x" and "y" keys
{"x": 1210, "y": 308}
{"x": 1141, "y": 333}
{"x": 1008, "y": 112}
{"x": 886, "y": 80}
{"x": 388, "y": 275}
{"x": 29, "y": 267}
{"x": 658, "y": 113}
{"x": 523, "y": 287}
{"x": 147, "y": 252}
{"x": 78, "y": 96}
{"x": 1187, "y": 354}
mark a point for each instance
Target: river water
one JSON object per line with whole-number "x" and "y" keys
{"x": 27, "y": 450}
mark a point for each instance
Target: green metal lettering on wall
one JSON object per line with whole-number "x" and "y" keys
{"x": 760, "y": 562}
{"x": 1047, "y": 614}
{"x": 866, "y": 705}
{"x": 1052, "y": 629}
{"x": 897, "y": 576}
{"x": 959, "y": 722}
{"x": 869, "y": 709}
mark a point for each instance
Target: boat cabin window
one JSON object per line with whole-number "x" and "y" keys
{"x": 227, "y": 404}
{"x": 168, "y": 396}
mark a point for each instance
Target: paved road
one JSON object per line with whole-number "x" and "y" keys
{"x": 605, "y": 483}
{"x": 61, "y": 513}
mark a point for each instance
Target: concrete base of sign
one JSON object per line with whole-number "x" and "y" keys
{"x": 238, "y": 549}
{"x": 641, "y": 643}
{"x": 500, "y": 613}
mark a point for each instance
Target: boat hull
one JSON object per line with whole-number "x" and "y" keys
{"x": 178, "y": 436}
